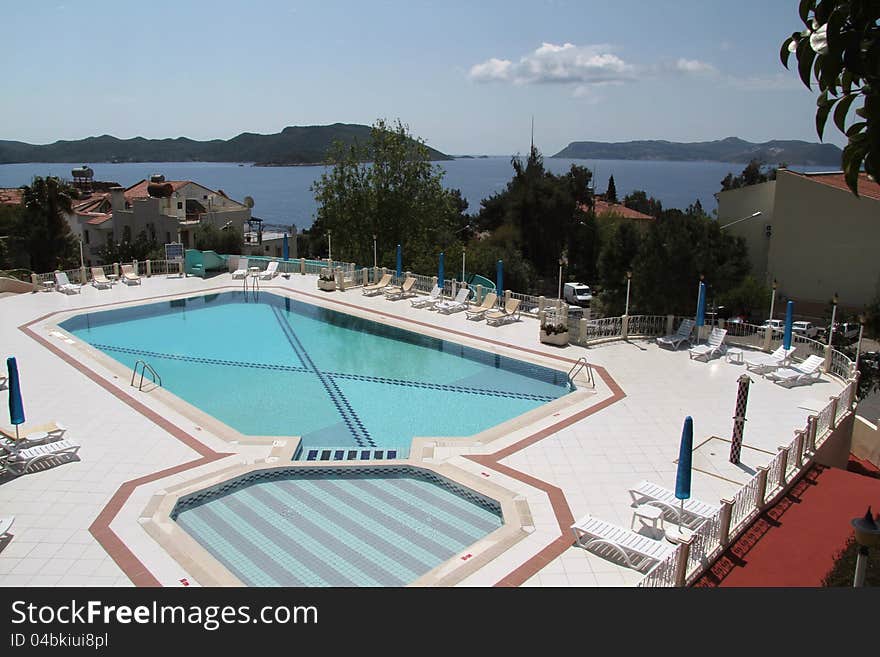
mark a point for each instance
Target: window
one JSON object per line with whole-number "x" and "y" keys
{"x": 180, "y": 205}
{"x": 126, "y": 234}
{"x": 85, "y": 237}
{"x": 167, "y": 238}
{"x": 267, "y": 248}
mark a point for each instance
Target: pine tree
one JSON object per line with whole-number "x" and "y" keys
{"x": 611, "y": 194}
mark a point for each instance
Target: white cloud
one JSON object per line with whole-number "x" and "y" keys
{"x": 491, "y": 69}
{"x": 555, "y": 64}
{"x": 694, "y": 67}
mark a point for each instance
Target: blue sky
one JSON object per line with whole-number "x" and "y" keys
{"x": 465, "y": 76}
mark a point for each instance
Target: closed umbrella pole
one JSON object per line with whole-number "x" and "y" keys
{"x": 441, "y": 271}
{"x": 399, "y": 261}
{"x": 701, "y": 306}
{"x": 285, "y": 248}
{"x": 499, "y": 278}
{"x": 683, "y": 473}
{"x": 16, "y": 407}
{"x": 789, "y": 314}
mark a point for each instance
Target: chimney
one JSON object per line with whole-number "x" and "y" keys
{"x": 117, "y": 198}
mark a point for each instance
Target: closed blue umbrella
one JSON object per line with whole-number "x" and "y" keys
{"x": 441, "y": 271}
{"x": 789, "y": 313}
{"x": 499, "y": 278}
{"x": 285, "y": 248}
{"x": 683, "y": 473}
{"x": 701, "y": 305}
{"x": 399, "y": 261}
{"x": 16, "y": 408}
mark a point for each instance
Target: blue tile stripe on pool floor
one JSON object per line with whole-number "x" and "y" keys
{"x": 355, "y": 427}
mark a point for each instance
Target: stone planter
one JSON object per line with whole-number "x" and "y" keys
{"x": 327, "y": 286}
{"x": 558, "y": 339}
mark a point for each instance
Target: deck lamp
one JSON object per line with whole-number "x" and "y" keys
{"x": 629, "y": 276}
{"x": 867, "y": 531}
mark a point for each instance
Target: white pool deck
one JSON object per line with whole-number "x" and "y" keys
{"x": 593, "y": 461}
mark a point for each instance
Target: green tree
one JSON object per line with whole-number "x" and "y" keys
{"x": 388, "y": 188}
{"x": 42, "y": 231}
{"x": 640, "y": 202}
{"x": 615, "y": 260}
{"x": 207, "y": 237}
{"x": 611, "y": 193}
{"x": 840, "y": 49}
{"x": 749, "y": 298}
{"x": 753, "y": 174}
{"x": 140, "y": 248}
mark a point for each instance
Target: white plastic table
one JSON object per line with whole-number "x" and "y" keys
{"x": 648, "y": 514}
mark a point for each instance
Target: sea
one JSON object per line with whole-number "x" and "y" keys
{"x": 283, "y": 196}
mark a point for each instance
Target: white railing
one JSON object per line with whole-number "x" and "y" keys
{"x": 841, "y": 365}
{"x": 599, "y": 329}
{"x": 824, "y": 419}
{"x": 745, "y": 503}
{"x": 529, "y": 304}
{"x": 742, "y": 334}
{"x": 646, "y": 325}
{"x": 663, "y": 574}
{"x": 704, "y": 544}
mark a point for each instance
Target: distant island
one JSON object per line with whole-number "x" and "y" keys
{"x": 295, "y": 145}
{"x": 731, "y": 149}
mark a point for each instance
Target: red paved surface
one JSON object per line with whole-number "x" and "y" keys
{"x": 794, "y": 542}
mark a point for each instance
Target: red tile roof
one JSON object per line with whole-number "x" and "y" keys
{"x": 99, "y": 218}
{"x": 139, "y": 189}
{"x": 867, "y": 188}
{"x": 601, "y": 206}
{"x": 10, "y": 196}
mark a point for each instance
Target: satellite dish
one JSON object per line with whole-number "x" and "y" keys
{"x": 249, "y": 201}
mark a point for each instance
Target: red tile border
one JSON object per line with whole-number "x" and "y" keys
{"x": 141, "y": 576}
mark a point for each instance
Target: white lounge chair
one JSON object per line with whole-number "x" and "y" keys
{"x": 510, "y": 313}
{"x": 798, "y": 374}
{"x": 271, "y": 271}
{"x": 695, "y": 511}
{"x": 38, "y": 435}
{"x": 636, "y": 550}
{"x": 713, "y": 348}
{"x": 761, "y": 363}
{"x": 242, "y": 270}
{"x": 129, "y": 277}
{"x": 376, "y": 288}
{"x": 4, "y": 381}
{"x": 459, "y": 303}
{"x": 99, "y": 279}
{"x": 20, "y": 460}
{"x": 430, "y": 300}
{"x": 395, "y": 292}
{"x": 683, "y": 334}
{"x": 480, "y": 311}
{"x": 6, "y": 525}
{"x": 63, "y": 284}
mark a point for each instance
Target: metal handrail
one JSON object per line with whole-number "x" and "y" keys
{"x": 144, "y": 367}
{"x": 580, "y": 364}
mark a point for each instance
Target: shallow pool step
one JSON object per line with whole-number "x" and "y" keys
{"x": 346, "y": 454}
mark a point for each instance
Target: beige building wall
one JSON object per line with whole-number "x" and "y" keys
{"x": 823, "y": 240}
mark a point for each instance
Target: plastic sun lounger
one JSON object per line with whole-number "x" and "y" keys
{"x": 128, "y": 275}
{"x": 39, "y": 435}
{"x": 509, "y": 313}
{"x": 271, "y": 271}
{"x": 761, "y": 363}
{"x": 394, "y": 292}
{"x": 637, "y": 551}
{"x": 6, "y": 525}
{"x": 63, "y": 284}
{"x": 480, "y": 311}
{"x": 20, "y": 460}
{"x": 695, "y": 511}
{"x": 683, "y": 334}
{"x": 799, "y": 374}
{"x": 713, "y": 348}
{"x": 459, "y": 303}
{"x": 242, "y": 270}
{"x": 376, "y": 288}
{"x": 99, "y": 279}
{"x": 431, "y": 299}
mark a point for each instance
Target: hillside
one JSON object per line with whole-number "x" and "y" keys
{"x": 731, "y": 149}
{"x": 293, "y": 145}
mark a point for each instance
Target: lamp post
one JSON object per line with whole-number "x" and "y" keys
{"x": 81, "y": 264}
{"x": 629, "y": 276}
{"x": 859, "y": 343}
{"x": 867, "y": 531}
{"x": 375, "y": 261}
{"x": 773, "y": 298}
{"x": 833, "y": 317}
{"x": 329, "y": 248}
{"x": 462, "y": 263}
{"x": 561, "y": 263}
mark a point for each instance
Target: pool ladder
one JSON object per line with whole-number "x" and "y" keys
{"x": 579, "y": 365}
{"x": 144, "y": 365}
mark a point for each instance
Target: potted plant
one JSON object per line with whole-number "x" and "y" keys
{"x": 326, "y": 280}
{"x": 554, "y": 333}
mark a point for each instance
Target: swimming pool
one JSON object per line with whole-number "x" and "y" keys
{"x": 268, "y": 365}
{"x": 334, "y": 526}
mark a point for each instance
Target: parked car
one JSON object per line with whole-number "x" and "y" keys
{"x": 807, "y": 329}
{"x": 776, "y": 324}
{"x": 849, "y": 330}
{"x": 577, "y": 294}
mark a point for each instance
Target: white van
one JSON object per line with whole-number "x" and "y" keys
{"x": 577, "y": 294}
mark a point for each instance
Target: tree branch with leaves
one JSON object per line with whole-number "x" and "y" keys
{"x": 840, "y": 49}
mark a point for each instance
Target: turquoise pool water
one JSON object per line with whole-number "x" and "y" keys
{"x": 336, "y": 526}
{"x": 268, "y": 365}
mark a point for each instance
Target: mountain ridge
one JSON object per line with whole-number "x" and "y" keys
{"x": 729, "y": 149}
{"x": 294, "y": 145}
